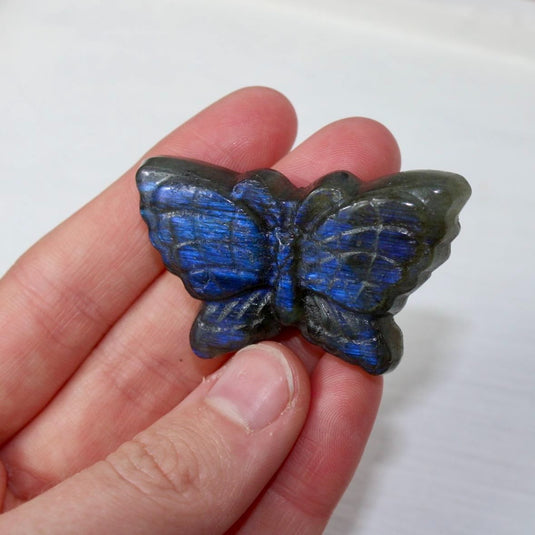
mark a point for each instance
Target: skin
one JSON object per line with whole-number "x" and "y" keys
{"x": 109, "y": 423}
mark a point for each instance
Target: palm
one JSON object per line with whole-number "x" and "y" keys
{"x": 95, "y": 333}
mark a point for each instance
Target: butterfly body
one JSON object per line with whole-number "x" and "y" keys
{"x": 337, "y": 259}
{"x": 283, "y": 279}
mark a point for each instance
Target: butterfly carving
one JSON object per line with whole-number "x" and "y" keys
{"x": 337, "y": 259}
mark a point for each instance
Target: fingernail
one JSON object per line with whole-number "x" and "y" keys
{"x": 255, "y": 387}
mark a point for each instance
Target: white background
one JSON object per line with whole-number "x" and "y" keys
{"x": 87, "y": 87}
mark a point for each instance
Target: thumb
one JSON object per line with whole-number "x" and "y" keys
{"x": 197, "y": 469}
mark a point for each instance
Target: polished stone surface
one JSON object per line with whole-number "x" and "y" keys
{"x": 337, "y": 259}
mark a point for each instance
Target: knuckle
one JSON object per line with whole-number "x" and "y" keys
{"x": 160, "y": 468}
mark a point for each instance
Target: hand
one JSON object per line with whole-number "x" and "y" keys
{"x": 106, "y": 423}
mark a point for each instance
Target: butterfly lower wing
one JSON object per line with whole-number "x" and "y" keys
{"x": 231, "y": 324}
{"x": 213, "y": 243}
{"x": 373, "y": 343}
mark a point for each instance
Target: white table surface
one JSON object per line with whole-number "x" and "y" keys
{"x": 88, "y": 87}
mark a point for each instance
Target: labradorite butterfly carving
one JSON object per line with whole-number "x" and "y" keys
{"x": 336, "y": 259}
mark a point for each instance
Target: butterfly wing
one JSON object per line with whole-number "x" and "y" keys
{"x": 361, "y": 260}
{"x": 231, "y": 324}
{"x": 212, "y": 242}
{"x": 373, "y": 342}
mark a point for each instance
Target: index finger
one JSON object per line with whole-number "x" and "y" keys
{"x": 64, "y": 294}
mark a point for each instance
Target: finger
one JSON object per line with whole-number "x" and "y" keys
{"x": 345, "y": 399}
{"x": 130, "y": 369}
{"x": 198, "y": 468}
{"x": 63, "y": 295}
{"x": 304, "y": 493}
{"x": 359, "y": 145}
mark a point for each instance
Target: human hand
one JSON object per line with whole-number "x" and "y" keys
{"x": 106, "y": 423}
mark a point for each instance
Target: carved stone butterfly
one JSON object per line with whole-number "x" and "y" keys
{"x": 336, "y": 259}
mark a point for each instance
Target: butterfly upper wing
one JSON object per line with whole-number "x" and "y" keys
{"x": 213, "y": 243}
{"x": 360, "y": 260}
{"x": 368, "y": 254}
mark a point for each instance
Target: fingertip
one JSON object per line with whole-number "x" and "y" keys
{"x": 269, "y": 99}
{"x": 249, "y": 128}
{"x": 360, "y": 145}
{"x": 378, "y": 149}
{"x": 300, "y": 389}
{"x": 258, "y": 385}
{"x": 275, "y": 123}
{"x": 354, "y": 393}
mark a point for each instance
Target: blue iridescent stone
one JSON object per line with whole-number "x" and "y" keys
{"x": 337, "y": 259}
